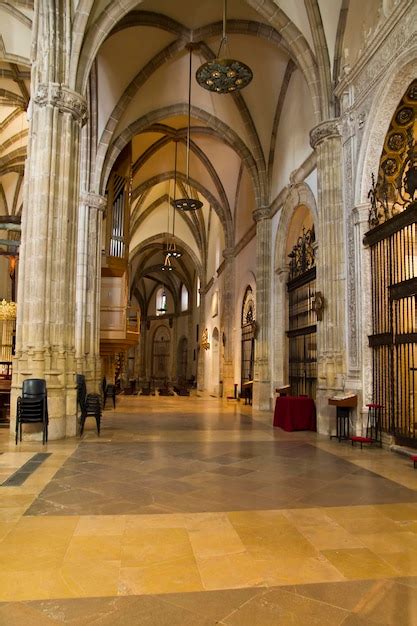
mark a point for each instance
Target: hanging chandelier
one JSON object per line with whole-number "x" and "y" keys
{"x": 170, "y": 247}
{"x": 223, "y": 75}
{"x": 7, "y": 310}
{"x": 188, "y": 203}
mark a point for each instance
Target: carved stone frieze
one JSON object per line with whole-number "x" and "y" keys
{"x": 325, "y": 130}
{"x": 65, "y": 99}
{"x": 93, "y": 200}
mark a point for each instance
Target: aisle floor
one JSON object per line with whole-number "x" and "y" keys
{"x": 193, "y": 511}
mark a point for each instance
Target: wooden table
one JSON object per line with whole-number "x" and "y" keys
{"x": 343, "y": 406}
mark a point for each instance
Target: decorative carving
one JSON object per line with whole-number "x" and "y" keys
{"x": 302, "y": 256}
{"x": 392, "y": 194}
{"x": 204, "y": 343}
{"x": 93, "y": 200}
{"x": 67, "y": 100}
{"x": 326, "y": 130}
{"x": 318, "y": 305}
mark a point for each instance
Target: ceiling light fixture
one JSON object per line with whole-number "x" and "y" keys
{"x": 188, "y": 203}
{"x": 170, "y": 247}
{"x": 223, "y": 75}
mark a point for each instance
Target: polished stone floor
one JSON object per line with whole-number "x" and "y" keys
{"x": 193, "y": 511}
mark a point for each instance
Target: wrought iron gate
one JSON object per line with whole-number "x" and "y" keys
{"x": 393, "y": 243}
{"x": 248, "y": 339}
{"x": 302, "y": 331}
{"x": 394, "y": 334}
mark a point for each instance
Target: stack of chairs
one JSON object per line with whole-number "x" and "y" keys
{"x": 89, "y": 403}
{"x": 32, "y": 407}
{"x": 109, "y": 389}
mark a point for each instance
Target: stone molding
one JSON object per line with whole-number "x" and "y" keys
{"x": 262, "y": 213}
{"x": 64, "y": 98}
{"x": 326, "y": 130}
{"x": 93, "y": 200}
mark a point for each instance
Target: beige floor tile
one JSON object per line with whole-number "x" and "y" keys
{"x": 181, "y": 575}
{"x": 404, "y": 563}
{"x": 356, "y": 563}
{"x": 382, "y": 543}
{"x": 155, "y": 546}
{"x": 88, "y": 578}
{"x": 94, "y": 548}
{"x": 230, "y": 572}
{"x": 290, "y": 570}
{"x": 330, "y": 538}
{"x": 399, "y": 512}
{"x": 101, "y": 525}
{"x": 33, "y": 585}
{"x": 217, "y": 541}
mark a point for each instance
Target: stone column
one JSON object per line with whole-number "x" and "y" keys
{"x": 141, "y": 352}
{"x": 331, "y": 269}
{"x": 227, "y": 317}
{"x": 201, "y": 353}
{"x": 364, "y": 303}
{"x": 262, "y": 375}
{"x": 87, "y": 316}
{"x": 280, "y": 360}
{"x": 45, "y": 342}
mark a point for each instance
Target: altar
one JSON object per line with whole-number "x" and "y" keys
{"x": 295, "y": 413}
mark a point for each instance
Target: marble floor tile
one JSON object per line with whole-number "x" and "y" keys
{"x": 199, "y": 512}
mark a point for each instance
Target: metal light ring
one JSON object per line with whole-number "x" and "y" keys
{"x": 224, "y": 75}
{"x": 187, "y": 204}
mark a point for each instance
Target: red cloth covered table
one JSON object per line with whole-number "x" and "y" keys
{"x": 295, "y": 413}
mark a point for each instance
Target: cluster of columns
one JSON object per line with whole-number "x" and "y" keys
{"x": 57, "y": 331}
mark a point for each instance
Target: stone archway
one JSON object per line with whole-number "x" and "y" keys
{"x": 300, "y": 195}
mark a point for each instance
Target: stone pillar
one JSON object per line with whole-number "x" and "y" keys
{"x": 227, "y": 317}
{"x": 331, "y": 270}
{"x": 141, "y": 352}
{"x": 45, "y": 342}
{"x": 262, "y": 375}
{"x": 364, "y": 302}
{"x": 280, "y": 360}
{"x": 87, "y": 315}
{"x": 201, "y": 353}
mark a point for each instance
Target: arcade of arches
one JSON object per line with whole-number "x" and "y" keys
{"x": 300, "y": 267}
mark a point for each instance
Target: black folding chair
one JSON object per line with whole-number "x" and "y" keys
{"x": 32, "y": 407}
{"x": 89, "y": 403}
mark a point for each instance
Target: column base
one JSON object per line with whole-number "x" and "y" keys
{"x": 261, "y": 399}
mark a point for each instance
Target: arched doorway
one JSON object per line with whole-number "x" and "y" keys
{"x": 301, "y": 287}
{"x": 248, "y": 327}
{"x": 392, "y": 239}
{"x": 161, "y": 349}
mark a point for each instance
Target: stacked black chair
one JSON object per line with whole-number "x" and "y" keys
{"x": 32, "y": 407}
{"x": 89, "y": 403}
{"x": 108, "y": 390}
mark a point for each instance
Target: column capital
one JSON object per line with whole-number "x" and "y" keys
{"x": 62, "y": 97}
{"x": 325, "y": 130}
{"x": 94, "y": 200}
{"x": 361, "y": 213}
{"x": 228, "y": 253}
{"x": 263, "y": 213}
